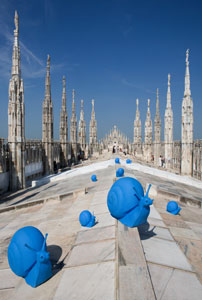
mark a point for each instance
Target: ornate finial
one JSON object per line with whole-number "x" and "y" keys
{"x": 148, "y": 103}
{"x": 187, "y": 56}
{"x": 73, "y": 95}
{"x": 63, "y": 79}
{"x": 168, "y": 79}
{"x": 137, "y": 102}
{"x": 187, "y": 90}
{"x": 48, "y": 61}
{"x": 16, "y": 21}
{"x": 93, "y": 102}
{"x": 82, "y": 104}
{"x": 157, "y": 92}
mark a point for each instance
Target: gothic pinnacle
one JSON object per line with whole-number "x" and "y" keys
{"x": 48, "y": 88}
{"x": 16, "y": 49}
{"x": 187, "y": 91}
{"x": 64, "y": 93}
{"x": 168, "y": 93}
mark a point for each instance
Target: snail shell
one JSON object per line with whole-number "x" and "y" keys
{"x": 124, "y": 196}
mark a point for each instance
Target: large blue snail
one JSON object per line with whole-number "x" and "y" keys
{"x": 127, "y": 203}
{"x": 27, "y": 256}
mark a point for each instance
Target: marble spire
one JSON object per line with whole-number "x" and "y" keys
{"x": 157, "y": 121}
{"x": 137, "y": 128}
{"x": 93, "y": 130}
{"x": 187, "y": 90}
{"x": 157, "y": 132}
{"x": 82, "y": 129}
{"x": 168, "y": 103}
{"x": 168, "y": 129}
{"x": 16, "y": 117}
{"x": 73, "y": 136}
{"x": 47, "y": 123}
{"x": 187, "y": 124}
{"x": 64, "y": 127}
{"x": 148, "y": 135}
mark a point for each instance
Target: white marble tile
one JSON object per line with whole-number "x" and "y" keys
{"x": 8, "y": 279}
{"x": 183, "y": 286}
{"x": 154, "y": 213}
{"x": 166, "y": 253}
{"x": 99, "y": 208}
{"x": 95, "y": 234}
{"x": 93, "y": 282}
{"x": 156, "y": 222}
{"x": 89, "y": 253}
{"x": 146, "y": 231}
{"x": 160, "y": 276}
{"x": 184, "y": 233}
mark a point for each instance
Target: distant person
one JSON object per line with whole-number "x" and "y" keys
{"x": 113, "y": 150}
{"x": 160, "y": 161}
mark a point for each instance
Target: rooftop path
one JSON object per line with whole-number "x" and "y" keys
{"x": 160, "y": 260}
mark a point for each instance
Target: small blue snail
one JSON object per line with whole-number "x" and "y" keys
{"x": 27, "y": 256}
{"x": 86, "y": 219}
{"x": 173, "y": 208}
{"x": 119, "y": 172}
{"x": 127, "y": 203}
{"x": 93, "y": 178}
{"x": 117, "y": 160}
{"x": 128, "y": 161}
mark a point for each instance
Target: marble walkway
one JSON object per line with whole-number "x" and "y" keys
{"x": 159, "y": 260}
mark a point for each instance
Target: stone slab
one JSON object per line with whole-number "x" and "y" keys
{"x": 90, "y": 253}
{"x": 183, "y": 286}
{"x": 134, "y": 283}
{"x": 166, "y": 253}
{"x": 174, "y": 220}
{"x": 100, "y": 197}
{"x": 129, "y": 246}
{"x": 96, "y": 234}
{"x": 160, "y": 276}
{"x": 94, "y": 282}
{"x": 99, "y": 208}
{"x": 154, "y": 213}
{"x": 184, "y": 233}
{"x": 44, "y": 291}
{"x": 197, "y": 228}
{"x": 147, "y": 231}
{"x": 156, "y": 222}
{"x": 8, "y": 279}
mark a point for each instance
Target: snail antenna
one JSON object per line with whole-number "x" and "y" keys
{"x": 147, "y": 193}
{"x": 44, "y": 243}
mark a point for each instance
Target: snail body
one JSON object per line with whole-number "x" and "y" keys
{"x": 127, "y": 203}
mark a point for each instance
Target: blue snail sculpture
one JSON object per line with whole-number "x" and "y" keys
{"x": 173, "y": 208}
{"x": 117, "y": 160}
{"x": 94, "y": 178}
{"x": 127, "y": 203}
{"x": 119, "y": 172}
{"x": 27, "y": 256}
{"x": 87, "y": 219}
{"x": 128, "y": 161}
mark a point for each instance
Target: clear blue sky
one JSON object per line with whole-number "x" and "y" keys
{"x": 111, "y": 50}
